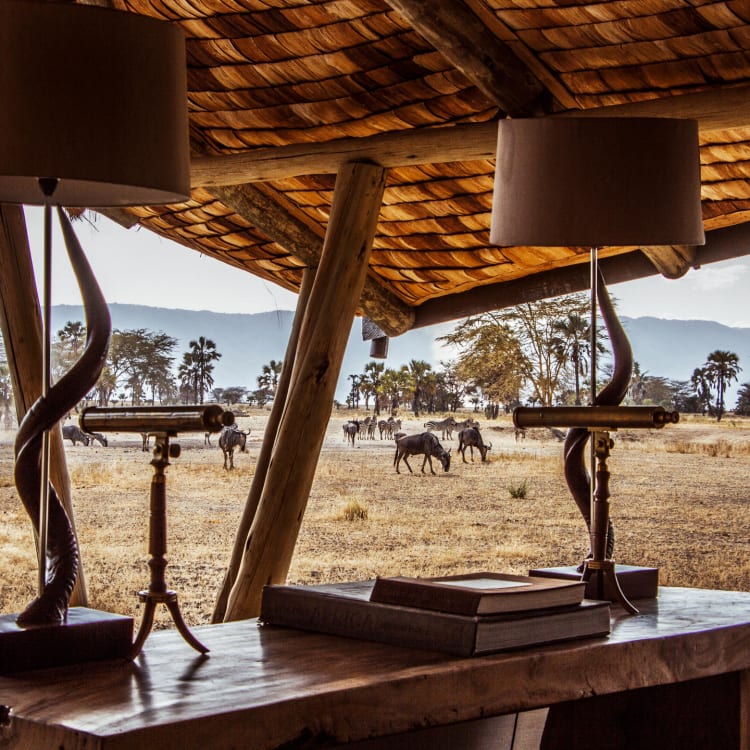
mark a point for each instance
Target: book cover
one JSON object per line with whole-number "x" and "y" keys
{"x": 345, "y": 609}
{"x": 478, "y": 593}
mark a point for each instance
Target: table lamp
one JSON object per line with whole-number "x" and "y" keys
{"x": 94, "y": 115}
{"x": 593, "y": 182}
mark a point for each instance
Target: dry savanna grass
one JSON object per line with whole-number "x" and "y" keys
{"x": 679, "y": 502}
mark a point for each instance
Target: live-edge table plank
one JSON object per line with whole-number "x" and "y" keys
{"x": 266, "y": 687}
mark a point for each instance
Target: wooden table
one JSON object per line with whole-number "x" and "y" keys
{"x": 266, "y": 687}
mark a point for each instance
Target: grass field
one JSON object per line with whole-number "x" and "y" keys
{"x": 679, "y": 500}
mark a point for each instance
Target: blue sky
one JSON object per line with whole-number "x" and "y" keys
{"x": 138, "y": 267}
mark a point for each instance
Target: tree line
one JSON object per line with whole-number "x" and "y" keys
{"x": 537, "y": 353}
{"x": 534, "y": 353}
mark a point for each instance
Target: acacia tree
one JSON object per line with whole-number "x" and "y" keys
{"x": 524, "y": 344}
{"x": 721, "y": 368}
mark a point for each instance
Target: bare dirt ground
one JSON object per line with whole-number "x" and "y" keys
{"x": 679, "y": 500}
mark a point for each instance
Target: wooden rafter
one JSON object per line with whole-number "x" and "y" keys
{"x": 714, "y": 110}
{"x": 721, "y": 244}
{"x": 455, "y": 31}
{"x": 281, "y": 226}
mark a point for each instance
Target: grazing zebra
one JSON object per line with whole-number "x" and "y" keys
{"x": 74, "y": 433}
{"x": 471, "y": 438}
{"x": 386, "y": 428}
{"x": 371, "y": 425}
{"x": 230, "y": 438}
{"x": 467, "y": 423}
{"x": 446, "y": 427}
{"x": 426, "y": 443}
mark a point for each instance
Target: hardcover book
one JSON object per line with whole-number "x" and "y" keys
{"x": 479, "y": 593}
{"x": 345, "y": 609}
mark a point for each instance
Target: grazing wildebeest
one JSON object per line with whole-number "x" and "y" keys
{"x": 520, "y": 433}
{"x": 75, "y": 434}
{"x": 230, "y": 438}
{"x": 446, "y": 427}
{"x": 351, "y": 430}
{"x": 471, "y": 438}
{"x": 425, "y": 443}
{"x": 97, "y": 436}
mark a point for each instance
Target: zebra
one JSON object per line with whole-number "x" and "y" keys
{"x": 229, "y": 439}
{"x": 446, "y": 427}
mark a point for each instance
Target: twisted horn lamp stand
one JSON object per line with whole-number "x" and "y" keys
{"x": 162, "y": 423}
{"x": 598, "y": 569}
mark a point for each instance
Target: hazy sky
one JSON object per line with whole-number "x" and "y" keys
{"x": 136, "y": 266}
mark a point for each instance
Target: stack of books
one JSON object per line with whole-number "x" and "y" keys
{"x": 466, "y": 615}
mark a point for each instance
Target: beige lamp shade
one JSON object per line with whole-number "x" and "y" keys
{"x": 593, "y": 182}
{"x": 96, "y": 99}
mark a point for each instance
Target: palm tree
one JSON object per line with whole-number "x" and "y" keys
{"x": 721, "y": 368}
{"x": 418, "y": 372}
{"x": 198, "y": 363}
{"x": 571, "y": 340}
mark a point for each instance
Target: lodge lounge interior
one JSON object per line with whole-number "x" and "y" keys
{"x": 351, "y": 151}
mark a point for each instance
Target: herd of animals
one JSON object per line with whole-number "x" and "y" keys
{"x": 230, "y": 439}
{"x": 425, "y": 443}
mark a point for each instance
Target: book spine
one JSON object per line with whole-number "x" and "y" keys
{"x": 367, "y": 620}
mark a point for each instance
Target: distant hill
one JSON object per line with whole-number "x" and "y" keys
{"x": 670, "y": 348}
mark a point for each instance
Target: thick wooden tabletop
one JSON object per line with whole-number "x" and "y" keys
{"x": 264, "y": 687}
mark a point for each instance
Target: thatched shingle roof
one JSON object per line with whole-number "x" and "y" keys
{"x": 283, "y": 91}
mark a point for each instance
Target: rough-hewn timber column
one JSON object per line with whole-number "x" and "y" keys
{"x": 266, "y": 449}
{"x": 325, "y": 330}
{"x": 22, "y": 333}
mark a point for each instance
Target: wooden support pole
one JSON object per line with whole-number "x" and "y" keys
{"x": 22, "y": 333}
{"x": 325, "y": 331}
{"x": 266, "y": 449}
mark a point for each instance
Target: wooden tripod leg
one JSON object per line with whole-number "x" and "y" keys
{"x": 145, "y": 629}
{"x": 183, "y": 629}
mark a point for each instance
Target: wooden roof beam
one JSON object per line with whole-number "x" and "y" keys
{"x": 488, "y": 62}
{"x": 388, "y": 311}
{"x": 721, "y": 244}
{"x": 715, "y": 110}
{"x": 672, "y": 261}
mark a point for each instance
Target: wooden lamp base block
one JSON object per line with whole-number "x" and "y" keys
{"x": 88, "y": 635}
{"x": 635, "y": 581}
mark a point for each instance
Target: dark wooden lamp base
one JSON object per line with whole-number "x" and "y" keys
{"x": 88, "y": 635}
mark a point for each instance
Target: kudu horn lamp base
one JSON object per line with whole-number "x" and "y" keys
{"x": 598, "y": 571}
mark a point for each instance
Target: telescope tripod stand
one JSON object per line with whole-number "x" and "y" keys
{"x": 598, "y": 570}
{"x": 157, "y": 592}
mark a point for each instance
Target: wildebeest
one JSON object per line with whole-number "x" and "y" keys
{"x": 97, "y": 436}
{"x": 75, "y": 434}
{"x": 425, "y": 443}
{"x": 471, "y": 438}
{"x": 230, "y": 438}
{"x": 351, "y": 430}
{"x": 446, "y": 427}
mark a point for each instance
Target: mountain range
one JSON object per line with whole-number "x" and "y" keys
{"x": 664, "y": 347}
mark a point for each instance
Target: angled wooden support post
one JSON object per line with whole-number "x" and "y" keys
{"x": 22, "y": 333}
{"x": 266, "y": 449}
{"x": 325, "y": 330}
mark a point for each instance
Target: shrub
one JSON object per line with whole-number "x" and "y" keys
{"x": 518, "y": 491}
{"x": 355, "y": 511}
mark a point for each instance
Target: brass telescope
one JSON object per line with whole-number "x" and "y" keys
{"x": 163, "y": 419}
{"x": 594, "y": 417}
